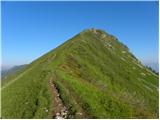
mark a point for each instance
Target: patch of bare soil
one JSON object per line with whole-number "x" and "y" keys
{"x": 60, "y": 111}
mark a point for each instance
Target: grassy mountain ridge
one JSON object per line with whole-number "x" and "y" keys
{"x": 96, "y": 76}
{"x": 13, "y": 70}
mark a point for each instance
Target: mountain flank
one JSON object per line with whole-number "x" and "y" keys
{"x": 92, "y": 75}
{"x": 10, "y": 71}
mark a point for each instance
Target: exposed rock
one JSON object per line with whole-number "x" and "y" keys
{"x": 59, "y": 117}
{"x": 57, "y": 114}
{"x": 60, "y": 111}
{"x": 123, "y": 59}
{"x": 123, "y": 51}
{"x": 103, "y": 36}
{"x": 143, "y": 74}
{"x": 79, "y": 113}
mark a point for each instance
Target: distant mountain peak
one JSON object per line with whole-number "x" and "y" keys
{"x": 95, "y": 30}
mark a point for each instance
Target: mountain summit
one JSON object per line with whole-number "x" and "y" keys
{"x": 92, "y": 75}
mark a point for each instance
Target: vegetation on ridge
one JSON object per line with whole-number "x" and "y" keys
{"x": 96, "y": 76}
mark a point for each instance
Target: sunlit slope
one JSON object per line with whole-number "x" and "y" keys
{"x": 96, "y": 76}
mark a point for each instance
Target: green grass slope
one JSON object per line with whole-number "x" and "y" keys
{"x": 96, "y": 76}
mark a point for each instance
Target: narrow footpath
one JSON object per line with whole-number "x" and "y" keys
{"x": 60, "y": 111}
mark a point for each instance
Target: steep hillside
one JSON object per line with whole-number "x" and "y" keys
{"x": 8, "y": 72}
{"x": 92, "y": 75}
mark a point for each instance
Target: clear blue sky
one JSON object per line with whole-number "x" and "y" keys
{"x": 30, "y": 29}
